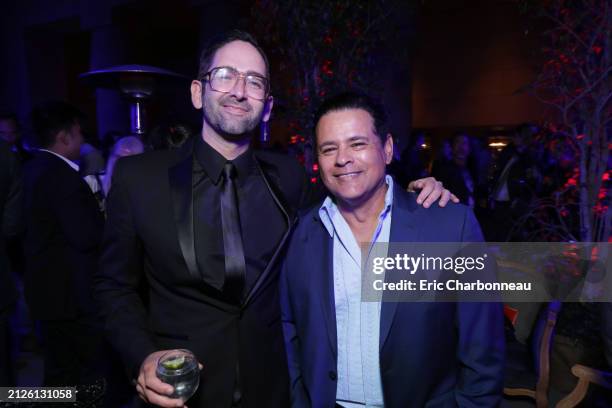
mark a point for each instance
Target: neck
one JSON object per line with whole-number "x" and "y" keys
{"x": 230, "y": 149}
{"x": 362, "y": 217}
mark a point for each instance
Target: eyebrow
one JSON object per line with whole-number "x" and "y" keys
{"x": 350, "y": 139}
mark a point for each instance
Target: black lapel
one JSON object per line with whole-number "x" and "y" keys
{"x": 180, "y": 178}
{"x": 403, "y": 229}
{"x": 269, "y": 174}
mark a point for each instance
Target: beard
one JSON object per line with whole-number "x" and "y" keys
{"x": 229, "y": 126}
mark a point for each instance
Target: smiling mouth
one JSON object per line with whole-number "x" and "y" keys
{"x": 347, "y": 175}
{"x": 235, "y": 109}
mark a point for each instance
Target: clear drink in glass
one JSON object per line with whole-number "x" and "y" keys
{"x": 179, "y": 368}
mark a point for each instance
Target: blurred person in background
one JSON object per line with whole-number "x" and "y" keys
{"x": 125, "y": 146}
{"x": 63, "y": 230}
{"x": 458, "y": 174}
{"x": 10, "y": 132}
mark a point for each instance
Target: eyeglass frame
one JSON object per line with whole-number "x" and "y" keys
{"x": 242, "y": 75}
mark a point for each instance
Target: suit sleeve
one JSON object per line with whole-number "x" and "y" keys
{"x": 117, "y": 284}
{"x": 481, "y": 349}
{"x": 299, "y": 396}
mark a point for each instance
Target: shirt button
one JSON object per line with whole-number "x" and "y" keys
{"x": 333, "y": 376}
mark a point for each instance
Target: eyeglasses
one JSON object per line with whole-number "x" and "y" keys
{"x": 223, "y": 79}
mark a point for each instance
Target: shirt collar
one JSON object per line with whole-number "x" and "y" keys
{"x": 328, "y": 210}
{"x": 70, "y": 162}
{"x": 212, "y": 161}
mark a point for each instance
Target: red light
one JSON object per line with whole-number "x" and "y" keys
{"x": 315, "y": 167}
{"x": 313, "y": 180}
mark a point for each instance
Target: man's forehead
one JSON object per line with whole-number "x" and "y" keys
{"x": 347, "y": 121}
{"x": 345, "y": 126}
{"x": 240, "y": 55}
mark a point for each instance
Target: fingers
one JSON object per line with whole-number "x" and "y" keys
{"x": 162, "y": 401}
{"x": 426, "y": 190}
{"x": 434, "y": 193}
{"x": 151, "y": 389}
{"x": 431, "y": 191}
{"x": 427, "y": 186}
{"x": 446, "y": 197}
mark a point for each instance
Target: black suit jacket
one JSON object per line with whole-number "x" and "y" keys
{"x": 149, "y": 254}
{"x": 10, "y": 218}
{"x": 63, "y": 233}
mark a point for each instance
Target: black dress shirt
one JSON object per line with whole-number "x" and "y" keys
{"x": 262, "y": 222}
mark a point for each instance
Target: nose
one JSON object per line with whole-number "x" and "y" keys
{"x": 238, "y": 90}
{"x": 343, "y": 157}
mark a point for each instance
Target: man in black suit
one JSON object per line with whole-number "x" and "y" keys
{"x": 10, "y": 224}
{"x": 203, "y": 228}
{"x": 62, "y": 237}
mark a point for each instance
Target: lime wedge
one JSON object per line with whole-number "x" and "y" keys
{"x": 175, "y": 363}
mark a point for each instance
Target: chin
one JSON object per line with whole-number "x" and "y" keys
{"x": 236, "y": 136}
{"x": 347, "y": 197}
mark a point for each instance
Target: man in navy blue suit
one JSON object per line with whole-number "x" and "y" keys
{"x": 345, "y": 352}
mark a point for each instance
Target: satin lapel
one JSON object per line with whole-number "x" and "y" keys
{"x": 180, "y": 178}
{"x": 403, "y": 229}
{"x": 271, "y": 182}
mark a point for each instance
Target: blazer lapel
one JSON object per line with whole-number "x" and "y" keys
{"x": 403, "y": 229}
{"x": 267, "y": 171}
{"x": 180, "y": 178}
{"x": 326, "y": 271}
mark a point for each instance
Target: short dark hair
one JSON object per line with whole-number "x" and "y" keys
{"x": 50, "y": 118}
{"x": 219, "y": 41}
{"x": 356, "y": 100}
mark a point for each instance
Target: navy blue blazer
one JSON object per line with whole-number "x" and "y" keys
{"x": 431, "y": 354}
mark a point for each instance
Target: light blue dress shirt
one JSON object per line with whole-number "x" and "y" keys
{"x": 357, "y": 322}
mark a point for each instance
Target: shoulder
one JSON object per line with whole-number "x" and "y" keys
{"x": 288, "y": 173}
{"x": 148, "y": 163}
{"x": 156, "y": 158}
{"x": 405, "y": 202}
{"x": 308, "y": 221}
{"x": 281, "y": 161}
{"x": 46, "y": 166}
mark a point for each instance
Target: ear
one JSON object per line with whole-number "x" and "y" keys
{"x": 267, "y": 110}
{"x": 388, "y": 148}
{"x": 196, "y": 94}
{"x": 63, "y": 138}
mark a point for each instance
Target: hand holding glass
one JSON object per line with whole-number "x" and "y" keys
{"x": 179, "y": 368}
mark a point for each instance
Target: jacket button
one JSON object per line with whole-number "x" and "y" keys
{"x": 333, "y": 376}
